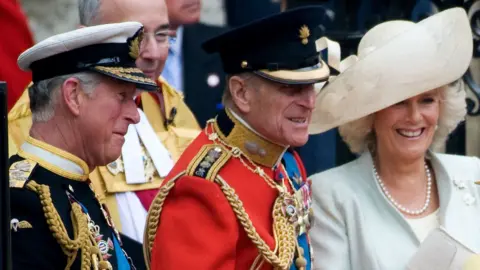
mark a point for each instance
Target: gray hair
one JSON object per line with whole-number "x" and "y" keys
{"x": 44, "y": 94}
{"x": 88, "y": 11}
{"x": 360, "y": 137}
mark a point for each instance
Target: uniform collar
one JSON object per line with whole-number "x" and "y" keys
{"x": 54, "y": 159}
{"x": 235, "y": 132}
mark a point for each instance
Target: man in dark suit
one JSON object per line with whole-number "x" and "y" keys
{"x": 188, "y": 68}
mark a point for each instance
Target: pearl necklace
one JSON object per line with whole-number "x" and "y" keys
{"x": 398, "y": 205}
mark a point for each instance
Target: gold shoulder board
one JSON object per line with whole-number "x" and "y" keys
{"x": 208, "y": 162}
{"x": 20, "y": 171}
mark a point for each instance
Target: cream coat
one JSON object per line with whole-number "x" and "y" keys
{"x": 357, "y": 228}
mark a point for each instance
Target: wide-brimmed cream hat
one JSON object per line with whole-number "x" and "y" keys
{"x": 396, "y": 60}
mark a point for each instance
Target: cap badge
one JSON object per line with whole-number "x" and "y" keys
{"x": 304, "y": 34}
{"x": 135, "y": 44}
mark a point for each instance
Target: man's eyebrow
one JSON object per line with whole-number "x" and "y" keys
{"x": 163, "y": 27}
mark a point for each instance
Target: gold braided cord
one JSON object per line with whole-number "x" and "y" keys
{"x": 83, "y": 239}
{"x": 153, "y": 217}
{"x": 257, "y": 263}
{"x": 55, "y": 223}
{"x": 284, "y": 231}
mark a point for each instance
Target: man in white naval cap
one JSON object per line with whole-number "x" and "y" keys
{"x": 82, "y": 103}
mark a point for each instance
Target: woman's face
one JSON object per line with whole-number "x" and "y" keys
{"x": 405, "y": 130}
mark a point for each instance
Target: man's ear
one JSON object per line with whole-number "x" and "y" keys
{"x": 240, "y": 93}
{"x": 72, "y": 94}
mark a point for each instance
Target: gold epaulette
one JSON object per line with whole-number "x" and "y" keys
{"x": 208, "y": 162}
{"x": 20, "y": 172}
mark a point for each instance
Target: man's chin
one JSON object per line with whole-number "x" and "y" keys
{"x": 110, "y": 157}
{"x": 152, "y": 75}
{"x": 298, "y": 141}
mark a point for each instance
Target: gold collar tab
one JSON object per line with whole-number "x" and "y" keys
{"x": 236, "y": 133}
{"x": 54, "y": 159}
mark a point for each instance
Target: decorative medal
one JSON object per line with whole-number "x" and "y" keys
{"x": 104, "y": 246}
{"x": 289, "y": 209}
{"x": 303, "y": 196}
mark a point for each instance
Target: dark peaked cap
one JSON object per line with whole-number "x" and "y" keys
{"x": 279, "y": 47}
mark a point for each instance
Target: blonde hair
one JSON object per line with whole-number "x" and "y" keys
{"x": 360, "y": 136}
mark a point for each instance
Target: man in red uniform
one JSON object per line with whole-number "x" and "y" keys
{"x": 238, "y": 197}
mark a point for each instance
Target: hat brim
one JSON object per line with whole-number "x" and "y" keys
{"x": 309, "y": 75}
{"x": 433, "y": 53}
{"x": 129, "y": 74}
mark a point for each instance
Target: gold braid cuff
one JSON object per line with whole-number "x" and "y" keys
{"x": 284, "y": 231}
{"x": 83, "y": 240}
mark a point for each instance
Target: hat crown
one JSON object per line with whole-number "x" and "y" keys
{"x": 381, "y": 34}
{"x": 397, "y": 60}
{"x": 109, "y": 49}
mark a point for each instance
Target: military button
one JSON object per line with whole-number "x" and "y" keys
{"x": 70, "y": 188}
{"x": 213, "y": 80}
{"x": 251, "y": 147}
{"x": 262, "y": 152}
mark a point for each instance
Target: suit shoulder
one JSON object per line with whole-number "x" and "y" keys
{"x": 207, "y": 29}
{"x": 340, "y": 173}
{"x": 446, "y": 158}
{"x": 167, "y": 87}
{"x": 456, "y": 165}
{"x": 208, "y": 162}
{"x": 339, "y": 178}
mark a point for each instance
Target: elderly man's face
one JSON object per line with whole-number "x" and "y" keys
{"x": 104, "y": 119}
{"x": 281, "y": 112}
{"x": 153, "y": 15}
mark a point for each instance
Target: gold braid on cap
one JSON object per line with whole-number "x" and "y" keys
{"x": 134, "y": 44}
{"x": 83, "y": 239}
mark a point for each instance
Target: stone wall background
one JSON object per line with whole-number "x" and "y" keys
{"x": 49, "y": 17}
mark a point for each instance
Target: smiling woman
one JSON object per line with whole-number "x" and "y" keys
{"x": 395, "y": 106}
{"x": 450, "y": 101}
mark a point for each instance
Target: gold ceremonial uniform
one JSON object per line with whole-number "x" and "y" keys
{"x": 108, "y": 180}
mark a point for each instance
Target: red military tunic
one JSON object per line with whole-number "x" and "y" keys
{"x": 197, "y": 222}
